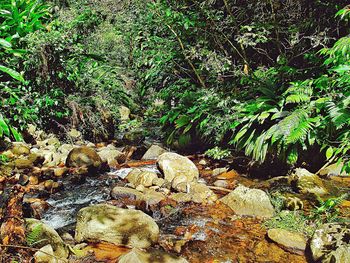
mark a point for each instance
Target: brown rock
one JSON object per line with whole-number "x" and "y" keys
{"x": 83, "y": 157}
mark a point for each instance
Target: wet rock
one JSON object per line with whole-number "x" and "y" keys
{"x": 125, "y": 192}
{"x": 158, "y": 182}
{"x": 141, "y": 177}
{"x": 20, "y": 148}
{"x": 173, "y": 165}
{"x": 110, "y": 155}
{"x": 180, "y": 183}
{"x": 250, "y": 202}
{"x": 308, "y": 183}
{"x": 23, "y": 163}
{"x": 218, "y": 171}
{"x": 202, "y": 162}
{"x": 153, "y": 153}
{"x": 150, "y": 196}
{"x": 221, "y": 183}
{"x": 228, "y": 175}
{"x": 202, "y": 194}
{"x": 124, "y": 113}
{"x": 331, "y": 243}
{"x": 60, "y": 172}
{"x": 116, "y": 225}
{"x": 152, "y": 256}
{"x": 83, "y": 157}
{"x": 47, "y": 236}
{"x": 289, "y": 240}
{"x": 46, "y": 255}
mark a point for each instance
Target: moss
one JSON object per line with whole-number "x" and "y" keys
{"x": 292, "y": 221}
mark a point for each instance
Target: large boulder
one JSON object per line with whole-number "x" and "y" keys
{"x": 152, "y": 256}
{"x": 250, "y": 202}
{"x": 45, "y": 235}
{"x": 308, "y": 183}
{"x": 173, "y": 165}
{"x": 331, "y": 243}
{"x": 153, "y": 153}
{"x": 116, "y": 225}
{"x": 83, "y": 157}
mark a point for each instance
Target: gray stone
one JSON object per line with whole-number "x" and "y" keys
{"x": 221, "y": 183}
{"x": 141, "y": 177}
{"x": 124, "y": 113}
{"x": 331, "y": 243}
{"x": 153, "y": 153}
{"x": 110, "y": 155}
{"x": 83, "y": 157}
{"x": 116, "y": 225}
{"x": 173, "y": 165}
{"x": 250, "y": 202}
{"x": 287, "y": 239}
{"x": 150, "y": 196}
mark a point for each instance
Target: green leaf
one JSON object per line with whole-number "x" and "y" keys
{"x": 329, "y": 153}
{"x": 4, "y": 128}
{"x": 5, "y": 43}
{"x": 13, "y": 73}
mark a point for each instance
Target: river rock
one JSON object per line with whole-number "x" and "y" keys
{"x": 250, "y": 202}
{"x": 331, "y": 243}
{"x": 116, "y": 225}
{"x": 124, "y": 113}
{"x": 46, "y": 255}
{"x": 119, "y": 192}
{"x": 308, "y": 183}
{"x": 83, "y": 157}
{"x": 110, "y": 155}
{"x": 141, "y": 177}
{"x": 153, "y": 153}
{"x": 20, "y": 148}
{"x": 221, "y": 183}
{"x": 173, "y": 164}
{"x": 150, "y": 196}
{"x": 23, "y": 163}
{"x": 287, "y": 239}
{"x": 152, "y": 256}
{"x": 47, "y": 236}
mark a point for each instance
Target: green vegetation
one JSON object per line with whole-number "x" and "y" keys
{"x": 265, "y": 79}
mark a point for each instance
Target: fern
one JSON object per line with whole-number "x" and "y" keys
{"x": 34, "y": 235}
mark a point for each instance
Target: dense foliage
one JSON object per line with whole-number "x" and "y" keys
{"x": 265, "y": 78}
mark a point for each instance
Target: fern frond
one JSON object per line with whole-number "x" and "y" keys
{"x": 34, "y": 235}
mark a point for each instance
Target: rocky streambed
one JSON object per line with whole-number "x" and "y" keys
{"x": 94, "y": 203}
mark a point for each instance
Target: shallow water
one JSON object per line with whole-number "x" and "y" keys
{"x": 65, "y": 204}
